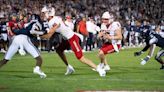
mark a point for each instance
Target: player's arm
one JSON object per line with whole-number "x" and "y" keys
{"x": 146, "y": 48}
{"x": 117, "y": 36}
{"x": 150, "y": 54}
{"x": 142, "y": 51}
{"x": 152, "y": 48}
{"x": 100, "y": 34}
{"x": 51, "y": 31}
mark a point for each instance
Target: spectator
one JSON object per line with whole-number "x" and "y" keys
{"x": 82, "y": 29}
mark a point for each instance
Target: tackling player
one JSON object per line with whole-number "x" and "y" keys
{"x": 56, "y": 24}
{"x": 60, "y": 44}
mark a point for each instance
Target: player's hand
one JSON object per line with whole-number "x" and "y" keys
{"x": 101, "y": 33}
{"x": 137, "y": 53}
{"x": 145, "y": 60}
{"x": 107, "y": 36}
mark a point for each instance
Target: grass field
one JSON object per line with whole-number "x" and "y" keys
{"x": 126, "y": 74}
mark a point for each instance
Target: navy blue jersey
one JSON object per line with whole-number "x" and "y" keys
{"x": 25, "y": 31}
{"x": 45, "y": 26}
{"x": 147, "y": 35}
{"x": 160, "y": 40}
{"x": 35, "y": 25}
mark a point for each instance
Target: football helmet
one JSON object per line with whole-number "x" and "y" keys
{"x": 49, "y": 11}
{"x": 109, "y": 16}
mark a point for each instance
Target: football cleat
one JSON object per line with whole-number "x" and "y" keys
{"x": 106, "y": 67}
{"x": 100, "y": 65}
{"x": 143, "y": 62}
{"x": 70, "y": 70}
{"x": 162, "y": 67}
{"x": 39, "y": 72}
{"x": 101, "y": 72}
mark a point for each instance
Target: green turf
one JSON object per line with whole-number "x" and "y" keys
{"x": 126, "y": 74}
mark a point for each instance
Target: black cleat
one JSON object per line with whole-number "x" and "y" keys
{"x": 162, "y": 67}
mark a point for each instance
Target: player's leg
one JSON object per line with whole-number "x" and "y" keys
{"x": 91, "y": 64}
{"x": 30, "y": 48}
{"x": 13, "y": 48}
{"x": 2, "y": 46}
{"x": 38, "y": 61}
{"x": 78, "y": 52}
{"x": 61, "y": 54}
{"x": 74, "y": 43}
{"x": 102, "y": 57}
{"x": 103, "y": 62}
{"x": 150, "y": 54}
{"x": 3, "y": 62}
{"x": 105, "y": 49}
{"x": 158, "y": 57}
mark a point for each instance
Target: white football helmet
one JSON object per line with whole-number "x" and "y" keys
{"x": 107, "y": 15}
{"x": 44, "y": 9}
{"x": 49, "y": 11}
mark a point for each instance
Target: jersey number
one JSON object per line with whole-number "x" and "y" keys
{"x": 76, "y": 47}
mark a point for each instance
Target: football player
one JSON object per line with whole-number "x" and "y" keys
{"x": 22, "y": 41}
{"x": 60, "y": 44}
{"x": 111, "y": 34}
{"x": 159, "y": 41}
{"x": 144, "y": 32}
{"x": 151, "y": 38}
{"x": 56, "y": 24}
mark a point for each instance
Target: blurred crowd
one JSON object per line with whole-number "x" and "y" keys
{"x": 79, "y": 12}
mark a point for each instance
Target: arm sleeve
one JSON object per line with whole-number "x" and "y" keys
{"x": 146, "y": 48}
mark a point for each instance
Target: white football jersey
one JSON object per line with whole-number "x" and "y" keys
{"x": 63, "y": 28}
{"x": 111, "y": 30}
{"x": 70, "y": 24}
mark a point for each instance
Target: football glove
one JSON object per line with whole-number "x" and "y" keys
{"x": 145, "y": 60}
{"x": 138, "y": 53}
